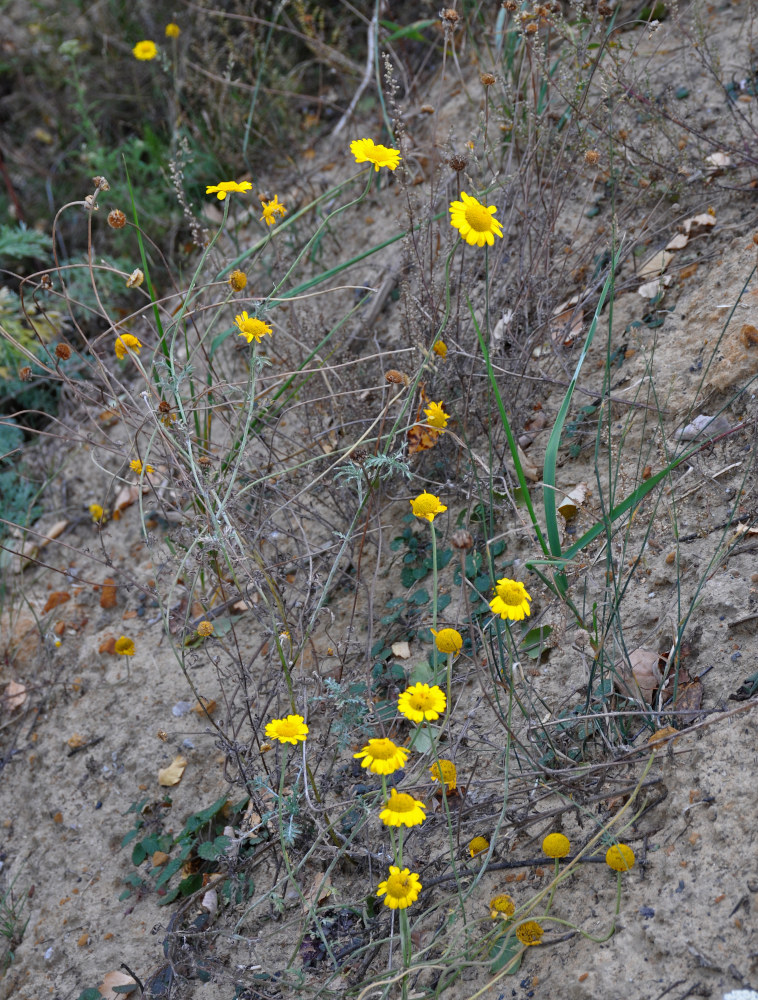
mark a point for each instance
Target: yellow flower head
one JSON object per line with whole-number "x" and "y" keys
{"x": 428, "y": 506}
{"x": 529, "y": 933}
{"x": 402, "y": 810}
{"x": 366, "y": 151}
{"x": 436, "y": 416}
{"x": 511, "y": 600}
{"x": 205, "y": 628}
{"x": 124, "y": 342}
{"x": 477, "y": 845}
{"x": 555, "y": 845}
{"x": 144, "y": 51}
{"x": 97, "y": 513}
{"x": 226, "y": 187}
{"x": 440, "y": 348}
{"x": 138, "y": 467}
{"x": 475, "y": 221}
{"x": 401, "y": 888}
{"x": 421, "y": 702}
{"x": 620, "y": 858}
{"x": 238, "y": 280}
{"x": 271, "y": 209}
{"x": 382, "y": 756}
{"x": 124, "y": 646}
{"x": 172, "y": 30}
{"x": 502, "y": 907}
{"x": 290, "y": 730}
{"x": 447, "y": 640}
{"x": 444, "y": 771}
{"x": 252, "y": 329}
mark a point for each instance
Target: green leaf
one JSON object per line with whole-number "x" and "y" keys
{"x": 533, "y": 641}
{"x": 138, "y": 854}
{"x": 214, "y": 849}
{"x": 422, "y": 741}
{"x": 501, "y": 959}
{"x": 421, "y": 673}
{"x": 191, "y": 884}
{"x": 420, "y": 597}
{"x": 92, "y": 993}
{"x": 171, "y": 869}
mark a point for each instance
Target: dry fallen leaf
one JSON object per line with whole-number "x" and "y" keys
{"x": 108, "y": 593}
{"x": 320, "y": 890}
{"x": 656, "y": 264}
{"x": 159, "y": 858}
{"x": 571, "y": 503}
{"x": 15, "y": 696}
{"x": 719, "y": 161}
{"x": 650, "y": 289}
{"x": 661, "y": 735}
{"x": 642, "y": 676}
{"x": 75, "y": 741}
{"x": 112, "y": 979}
{"x": 401, "y": 649}
{"x": 57, "y": 597}
{"x": 703, "y": 221}
{"x": 126, "y": 497}
{"x": 172, "y": 774}
{"x": 678, "y": 242}
{"x": 530, "y": 471}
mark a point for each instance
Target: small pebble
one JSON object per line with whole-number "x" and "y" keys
{"x": 647, "y": 911}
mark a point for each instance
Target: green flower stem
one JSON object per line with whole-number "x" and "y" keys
{"x": 449, "y": 821}
{"x": 555, "y": 886}
{"x": 449, "y": 685}
{"x": 434, "y": 600}
{"x": 397, "y": 854}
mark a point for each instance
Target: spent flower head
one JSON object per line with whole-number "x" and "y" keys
{"x": 124, "y": 646}
{"x": 421, "y": 703}
{"x": 474, "y": 221}
{"x": 382, "y": 756}
{"x": 529, "y": 933}
{"x": 367, "y": 151}
{"x": 446, "y": 772}
{"x": 502, "y": 907}
{"x": 238, "y": 280}
{"x": 400, "y": 889}
{"x": 511, "y": 600}
{"x": 291, "y": 729}
{"x": 440, "y": 348}
{"x": 205, "y": 628}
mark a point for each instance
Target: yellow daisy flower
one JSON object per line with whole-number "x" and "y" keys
{"x": 382, "y": 756}
{"x": 137, "y": 466}
{"x": 144, "y": 51}
{"x": 126, "y": 342}
{"x": 501, "y": 907}
{"x": 271, "y": 209}
{"x": 475, "y": 221}
{"x": 226, "y": 187}
{"x": 555, "y": 845}
{"x": 447, "y": 640}
{"x": 366, "y": 151}
{"x": 428, "y": 506}
{"x": 477, "y": 846}
{"x": 620, "y": 858}
{"x": 436, "y": 416}
{"x": 444, "y": 771}
{"x": 205, "y": 628}
{"x": 172, "y": 30}
{"x": 401, "y": 888}
{"x": 421, "y": 702}
{"x": 529, "y": 933}
{"x": 252, "y": 329}
{"x": 290, "y": 730}
{"x": 511, "y": 600}
{"x": 124, "y": 646}
{"x": 440, "y": 349}
{"x": 402, "y": 810}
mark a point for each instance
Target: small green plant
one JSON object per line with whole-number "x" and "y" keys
{"x": 12, "y": 923}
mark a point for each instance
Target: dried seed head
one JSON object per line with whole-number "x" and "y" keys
{"x": 462, "y": 540}
{"x": 396, "y": 378}
{"x": 531, "y": 29}
{"x": 238, "y": 280}
{"x": 162, "y": 735}
{"x": 116, "y": 219}
{"x": 510, "y": 5}
{"x": 205, "y": 628}
{"x": 360, "y": 455}
{"x": 63, "y": 351}
{"x": 101, "y": 184}
{"x": 457, "y": 163}
{"x": 135, "y": 279}
{"x": 25, "y": 373}
{"x": 487, "y": 79}
{"x": 164, "y": 407}
{"x": 204, "y": 460}
{"x": 426, "y": 109}
{"x": 45, "y": 282}
{"x": 592, "y": 157}
{"x": 450, "y": 16}
{"x": 604, "y": 10}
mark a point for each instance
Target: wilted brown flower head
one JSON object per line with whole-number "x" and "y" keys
{"x": 510, "y": 5}
{"x": 396, "y": 378}
{"x": 462, "y": 540}
{"x": 63, "y": 351}
{"x": 164, "y": 407}
{"x": 360, "y": 455}
{"x": 101, "y": 184}
{"x": 530, "y": 29}
{"x": 457, "y": 163}
{"x": 450, "y": 16}
{"x": 25, "y": 373}
{"x": 487, "y": 79}
{"x": 45, "y": 282}
{"x": 238, "y": 280}
{"x": 592, "y": 157}
{"x": 116, "y": 219}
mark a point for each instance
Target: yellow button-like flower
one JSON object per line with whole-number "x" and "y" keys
{"x": 366, "y": 151}
{"x": 205, "y": 628}
{"x": 440, "y": 349}
{"x": 290, "y": 730}
{"x": 401, "y": 888}
{"x": 477, "y": 845}
{"x": 555, "y": 845}
{"x": 421, "y": 702}
{"x": 447, "y": 640}
{"x": 145, "y": 50}
{"x": 172, "y": 30}
{"x": 252, "y": 329}
{"x": 428, "y": 506}
{"x": 382, "y": 756}
{"x": 124, "y": 646}
{"x": 271, "y": 209}
{"x": 97, "y": 513}
{"x": 502, "y": 907}
{"x": 402, "y": 810}
{"x": 475, "y": 221}
{"x": 529, "y": 933}
{"x": 511, "y": 600}
{"x": 620, "y": 858}
{"x": 138, "y": 467}
{"x": 126, "y": 342}
{"x": 444, "y": 771}
{"x": 228, "y": 187}
{"x": 436, "y": 416}
{"x": 238, "y": 280}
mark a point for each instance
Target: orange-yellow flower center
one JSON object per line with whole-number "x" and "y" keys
{"x": 398, "y": 885}
{"x": 422, "y": 701}
{"x": 478, "y": 217}
{"x": 287, "y": 728}
{"x": 426, "y": 505}
{"x": 382, "y": 749}
{"x": 510, "y": 593}
{"x": 402, "y": 803}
